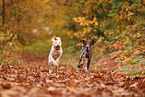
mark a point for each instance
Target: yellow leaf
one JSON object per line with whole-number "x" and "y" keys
{"x": 11, "y": 34}
{"x": 96, "y": 23}
{"x": 94, "y": 19}
{"x": 138, "y": 34}
{"x": 87, "y": 24}
{"x": 75, "y": 34}
{"x": 0, "y": 66}
{"x": 75, "y": 19}
{"x": 79, "y": 17}
{"x": 45, "y": 1}
{"x": 81, "y": 23}
{"x": 71, "y": 37}
{"x": 142, "y": 72}
{"x": 127, "y": 59}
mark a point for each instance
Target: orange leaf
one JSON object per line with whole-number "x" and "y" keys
{"x": 116, "y": 45}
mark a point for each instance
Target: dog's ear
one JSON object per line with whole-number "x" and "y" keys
{"x": 57, "y": 38}
{"x": 93, "y": 42}
{"x": 83, "y": 41}
{"x": 53, "y": 38}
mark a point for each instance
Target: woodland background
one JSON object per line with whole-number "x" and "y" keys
{"x": 118, "y": 26}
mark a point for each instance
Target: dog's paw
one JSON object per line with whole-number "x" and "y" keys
{"x": 50, "y": 71}
{"x": 79, "y": 66}
{"x": 86, "y": 72}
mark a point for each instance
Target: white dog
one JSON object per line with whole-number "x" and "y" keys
{"x": 55, "y": 54}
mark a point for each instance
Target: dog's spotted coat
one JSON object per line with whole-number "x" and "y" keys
{"x": 86, "y": 52}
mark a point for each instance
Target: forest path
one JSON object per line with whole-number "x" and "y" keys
{"x": 34, "y": 80}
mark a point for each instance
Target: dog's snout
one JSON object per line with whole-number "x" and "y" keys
{"x": 87, "y": 48}
{"x": 57, "y": 47}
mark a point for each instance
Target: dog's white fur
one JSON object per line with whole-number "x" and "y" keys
{"x": 55, "y": 54}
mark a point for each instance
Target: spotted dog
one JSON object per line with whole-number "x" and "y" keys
{"x": 86, "y": 52}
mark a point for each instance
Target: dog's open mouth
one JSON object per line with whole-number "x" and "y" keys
{"x": 57, "y": 47}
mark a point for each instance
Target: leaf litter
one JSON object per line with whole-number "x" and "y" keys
{"x": 33, "y": 79}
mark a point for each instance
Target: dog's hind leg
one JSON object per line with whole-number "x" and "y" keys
{"x": 86, "y": 70}
{"x": 50, "y": 67}
{"x": 56, "y": 65}
{"x": 88, "y": 64}
{"x": 56, "y": 68}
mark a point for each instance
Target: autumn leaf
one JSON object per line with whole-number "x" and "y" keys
{"x": 96, "y": 23}
{"x": 116, "y": 45}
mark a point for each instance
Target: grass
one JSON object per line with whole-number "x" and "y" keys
{"x": 39, "y": 47}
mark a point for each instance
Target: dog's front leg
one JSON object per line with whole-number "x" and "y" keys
{"x": 50, "y": 67}
{"x": 56, "y": 65}
{"x": 57, "y": 60}
{"x": 84, "y": 61}
{"x": 80, "y": 60}
{"x": 50, "y": 62}
{"x": 88, "y": 64}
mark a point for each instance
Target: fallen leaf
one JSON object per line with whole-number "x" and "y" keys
{"x": 48, "y": 81}
{"x": 51, "y": 89}
{"x": 134, "y": 85}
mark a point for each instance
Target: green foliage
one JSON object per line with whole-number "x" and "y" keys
{"x": 7, "y": 52}
{"x": 38, "y": 47}
{"x": 122, "y": 24}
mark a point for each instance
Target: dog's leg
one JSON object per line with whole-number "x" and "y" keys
{"x": 56, "y": 65}
{"x": 80, "y": 60}
{"x": 56, "y": 68}
{"x": 50, "y": 68}
{"x": 88, "y": 64}
{"x": 86, "y": 71}
{"x": 57, "y": 60}
{"x": 50, "y": 62}
{"x": 53, "y": 60}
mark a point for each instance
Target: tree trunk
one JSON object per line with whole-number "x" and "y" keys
{"x": 3, "y": 20}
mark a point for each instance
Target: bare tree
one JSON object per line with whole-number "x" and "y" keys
{"x": 3, "y": 20}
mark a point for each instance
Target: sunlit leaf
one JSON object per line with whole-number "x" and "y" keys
{"x": 133, "y": 70}
{"x": 127, "y": 67}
